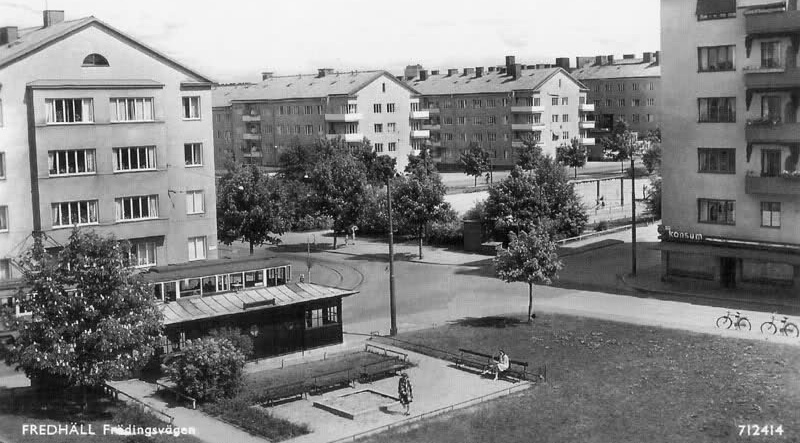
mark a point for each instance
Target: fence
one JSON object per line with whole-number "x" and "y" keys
{"x": 178, "y": 395}
{"x": 647, "y": 221}
{"x": 403, "y": 356}
{"x": 159, "y": 414}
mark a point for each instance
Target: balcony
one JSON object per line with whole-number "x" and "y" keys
{"x": 420, "y": 133}
{"x": 350, "y": 117}
{"x": 433, "y": 110}
{"x": 527, "y": 126}
{"x": 521, "y": 144}
{"x": 772, "y": 78}
{"x": 251, "y": 118}
{"x": 586, "y": 124}
{"x": 774, "y": 22}
{"x": 249, "y": 136}
{"x": 349, "y": 138}
{"x": 433, "y": 127}
{"x": 420, "y": 115}
{"x": 586, "y": 107}
{"x": 436, "y": 143}
{"x": 754, "y": 184}
{"x": 778, "y": 133}
{"x": 527, "y": 109}
{"x": 587, "y": 141}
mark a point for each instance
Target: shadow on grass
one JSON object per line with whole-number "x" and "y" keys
{"x": 61, "y": 405}
{"x": 488, "y": 322}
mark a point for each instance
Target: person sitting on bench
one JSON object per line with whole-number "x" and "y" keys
{"x": 498, "y": 365}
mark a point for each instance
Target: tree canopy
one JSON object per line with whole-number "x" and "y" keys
{"x": 475, "y": 161}
{"x": 421, "y": 165}
{"x": 419, "y": 200}
{"x": 529, "y": 155}
{"x": 207, "y": 369}
{"x": 621, "y": 144}
{"x": 572, "y": 155}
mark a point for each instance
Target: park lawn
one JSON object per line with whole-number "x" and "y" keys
{"x": 616, "y": 382}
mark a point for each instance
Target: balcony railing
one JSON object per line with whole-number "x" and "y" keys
{"x": 586, "y": 124}
{"x": 519, "y": 109}
{"x": 772, "y": 22}
{"x": 759, "y": 132}
{"x": 772, "y": 78}
{"x": 587, "y": 141}
{"x": 432, "y": 127}
{"x": 420, "y": 115}
{"x": 249, "y": 136}
{"x": 769, "y": 69}
{"x": 349, "y": 138}
{"x": 527, "y": 126}
{"x": 349, "y": 117}
{"x": 420, "y": 133}
{"x": 586, "y": 107}
{"x": 436, "y": 143}
{"x": 433, "y": 110}
{"x": 755, "y": 184}
{"x": 520, "y": 143}
{"x": 251, "y": 118}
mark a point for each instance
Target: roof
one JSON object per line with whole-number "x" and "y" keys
{"x": 625, "y": 68}
{"x": 490, "y": 82}
{"x": 231, "y": 303}
{"x": 303, "y": 86}
{"x": 95, "y": 83}
{"x": 711, "y": 7}
{"x": 31, "y": 40}
{"x": 210, "y": 267}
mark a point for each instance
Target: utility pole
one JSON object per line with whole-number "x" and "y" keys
{"x": 633, "y": 210}
{"x": 392, "y": 306}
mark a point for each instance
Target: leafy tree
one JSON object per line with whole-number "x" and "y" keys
{"x": 622, "y": 144}
{"x": 653, "y": 200}
{"x": 421, "y": 165}
{"x": 242, "y": 342}
{"x": 298, "y": 160}
{"x": 93, "y": 317}
{"x": 651, "y": 157}
{"x": 208, "y": 369}
{"x": 545, "y": 194}
{"x": 531, "y": 258}
{"x": 530, "y": 154}
{"x": 475, "y": 161}
{"x": 251, "y": 207}
{"x": 572, "y": 155}
{"x": 419, "y": 200}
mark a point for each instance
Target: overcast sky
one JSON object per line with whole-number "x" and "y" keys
{"x": 235, "y": 40}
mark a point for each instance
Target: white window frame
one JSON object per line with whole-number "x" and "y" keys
{"x": 193, "y": 244}
{"x": 392, "y": 146}
{"x": 91, "y": 209}
{"x": 378, "y": 147}
{"x": 132, "y": 109}
{"x": 391, "y": 127}
{"x": 144, "y": 203}
{"x": 148, "y": 152}
{"x": 54, "y": 159}
{"x": 143, "y": 254}
{"x": 4, "y": 218}
{"x": 196, "y": 157}
{"x": 390, "y": 108}
{"x": 191, "y": 107}
{"x": 194, "y": 197}
{"x": 54, "y": 105}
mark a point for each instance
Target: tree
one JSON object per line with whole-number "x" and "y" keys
{"x": 572, "y": 155}
{"x": 654, "y": 197}
{"x": 475, "y": 161}
{"x": 240, "y": 341}
{"x": 251, "y": 207}
{"x": 419, "y": 200}
{"x": 621, "y": 144}
{"x": 530, "y": 154}
{"x": 421, "y": 165}
{"x": 544, "y": 194}
{"x": 298, "y": 160}
{"x": 531, "y": 258}
{"x": 651, "y": 157}
{"x": 93, "y": 317}
{"x": 208, "y": 369}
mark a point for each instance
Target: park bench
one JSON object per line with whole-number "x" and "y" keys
{"x": 381, "y": 369}
{"x": 517, "y": 369}
{"x": 334, "y": 380}
{"x": 290, "y": 391}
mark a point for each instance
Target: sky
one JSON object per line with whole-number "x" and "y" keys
{"x": 236, "y": 40}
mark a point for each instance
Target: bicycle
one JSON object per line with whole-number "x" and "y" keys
{"x": 787, "y": 328}
{"x": 740, "y": 321}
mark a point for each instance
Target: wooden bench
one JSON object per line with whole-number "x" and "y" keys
{"x": 329, "y": 382}
{"x": 517, "y": 369}
{"x": 288, "y": 391}
{"x": 380, "y": 369}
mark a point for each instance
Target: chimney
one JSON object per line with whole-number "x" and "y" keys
{"x": 510, "y": 60}
{"x": 322, "y": 72}
{"x": 266, "y": 75}
{"x": 599, "y": 60}
{"x": 491, "y": 68}
{"x": 502, "y": 70}
{"x": 52, "y": 17}
{"x": 423, "y": 75}
{"x": 435, "y": 72}
{"x": 657, "y": 57}
{"x": 611, "y": 59}
{"x": 517, "y": 71}
{"x": 647, "y": 57}
{"x": 563, "y": 62}
{"x": 479, "y": 71}
{"x": 451, "y": 72}
{"x": 412, "y": 71}
{"x": 8, "y": 34}
{"x": 628, "y": 56}
{"x": 469, "y": 71}
{"x": 531, "y": 66}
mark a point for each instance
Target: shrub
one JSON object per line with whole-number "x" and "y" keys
{"x": 477, "y": 212}
{"x": 654, "y": 197}
{"x": 208, "y": 369}
{"x": 602, "y": 226}
{"x": 240, "y": 412}
{"x": 446, "y": 233}
{"x": 639, "y": 171}
{"x": 241, "y": 341}
{"x": 374, "y": 217}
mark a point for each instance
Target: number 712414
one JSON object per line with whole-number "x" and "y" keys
{"x": 759, "y": 430}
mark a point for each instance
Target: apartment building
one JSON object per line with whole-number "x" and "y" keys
{"x": 497, "y": 106}
{"x": 102, "y": 132}
{"x": 626, "y": 88}
{"x": 255, "y": 123}
{"x": 731, "y": 202}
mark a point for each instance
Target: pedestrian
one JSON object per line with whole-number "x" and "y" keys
{"x": 498, "y": 365}
{"x": 405, "y": 392}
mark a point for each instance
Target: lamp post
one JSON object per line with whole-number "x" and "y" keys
{"x": 308, "y": 253}
{"x": 392, "y": 306}
{"x": 631, "y": 151}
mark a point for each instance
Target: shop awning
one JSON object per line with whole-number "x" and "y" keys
{"x": 714, "y": 7}
{"x": 231, "y": 303}
{"x": 723, "y": 251}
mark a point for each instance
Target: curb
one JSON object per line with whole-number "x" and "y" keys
{"x": 425, "y": 262}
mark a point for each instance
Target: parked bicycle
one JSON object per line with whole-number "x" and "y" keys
{"x": 787, "y": 328}
{"x": 739, "y": 321}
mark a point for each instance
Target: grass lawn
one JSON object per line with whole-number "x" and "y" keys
{"x": 616, "y": 382}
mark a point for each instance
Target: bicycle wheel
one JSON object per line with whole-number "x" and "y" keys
{"x": 768, "y": 328}
{"x": 744, "y": 324}
{"x": 724, "y": 322}
{"x": 791, "y": 330}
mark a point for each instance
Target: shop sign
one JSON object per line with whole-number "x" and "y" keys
{"x": 667, "y": 233}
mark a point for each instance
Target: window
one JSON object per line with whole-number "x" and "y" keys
{"x": 636, "y": 102}
{"x": 447, "y": 104}
{"x": 2, "y": 165}
{"x": 383, "y": 87}
{"x": 461, "y": 120}
{"x": 95, "y": 60}
{"x": 770, "y": 215}
{"x": 392, "y": 146}
{"x": 197, "y": 248}
{"x": 378, "y": 127}
{"x": 771, "y": 54}
{"x": 191, "y": 108}
{"x": 309, "y": 129}
{"x": 596, "y": 102}
{"x": 565, "y": 135}
{"x": 635, "y": 118}
{"x": 137, "y": 208}
{"x": 134, "y": 158}
{"x": 477, "y": 103}
{"x": 253, "y": 278}
{"x": 565, "y": 118}
{"x": 377, "y": 108}
{"x": 5, "y": 273}
{"x": 715, "y": 58}
{"x": 491, "y": 120}
{"x": 280, "y": 110}
{"x": 69, "y": 110}
{"x": 71, "y": 162}
{"x": 555, "y": 118}
{"x": 491, "y": 136}
{"x": 490, "y": 103}
{"x": 3, "y": 218}
{"x": 650, "y": 118}
{"x": 74, "y": 213}
{"x": 504, "y": 102}
{"x": 391, "y": 127}
{"x": 564, "y": 101}
{"x": 554, "y": 101}
{"x": 771, "y": 107}
{"x": 448, "y": 136}
{"x": 195, "y": 202}
{"x": 322, "y": 316}
{"x": 319, "y": 109}
{"x": 1, "y": 113}
{"x": 651, "y": 102}
{"x": 462, "y": 104}
{"x": 770, "y": 163}
{"x": 608, "y": 87}
{"x": 193, "y": 154}
{"x": 477, "y": 137}
{"x": 720, "y": 212}
{"x": 298, "y": 129}
{"x": 609, "y": 102}
{"x": 142, "y": 254}
{"x": 448, "y": 120}
{"x": 464, "y": 137}
{"x": 650, "y": 86}
{"x": 537, "y": 101}
{"x": 389, "y": 107}
{"x": 621, "y": 103}
{"x": 477, "y": 120}
{"x": 635, "y": 86}
{"x": 378, "y": 147}
{"x": 131, "y": 109}
{"x": 620, "y": 86}
{"x": 597, "y": 88}
{"x": 717, "y": 110}
{"x": 716, "y": 160}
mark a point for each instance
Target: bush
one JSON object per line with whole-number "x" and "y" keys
{"x": 639, "y": 171}
{"x": 374, "y": 217}
{"x": 241, "y": 341}
{"x": 602, "y": 226}
{"x": 477, "y": 212}
{"x": 654, "y": 197}
{"x": 208, "y": 369}
{"x": 448, "y": 232}
{"x": 240, "y": 412}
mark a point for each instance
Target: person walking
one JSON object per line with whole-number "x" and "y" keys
{"x": 405, "y": 392}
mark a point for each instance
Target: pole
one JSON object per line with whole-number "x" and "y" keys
{"x": 308, "y": 258}
{"x": 633, "y": 220}
{"x": 392, "y": 307}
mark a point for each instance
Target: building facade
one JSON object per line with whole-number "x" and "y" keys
{"x": 731, "y": 202}
{"x": 626, "y": 88}
{"x": 102, "y": 132}
{"x": 498, "y": 106}
{"x": 255, "y": 123}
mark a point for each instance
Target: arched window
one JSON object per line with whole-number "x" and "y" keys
{"x": 95, "y": 60}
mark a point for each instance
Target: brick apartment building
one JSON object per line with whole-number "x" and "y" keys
{"x": 731, "y": 201}
{"x": 254, "y": 123}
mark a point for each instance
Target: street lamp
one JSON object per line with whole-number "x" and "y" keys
{"x": 392, "y": 305}
{"x": 308, "y": 256}
{"x": 631, "y": 150}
